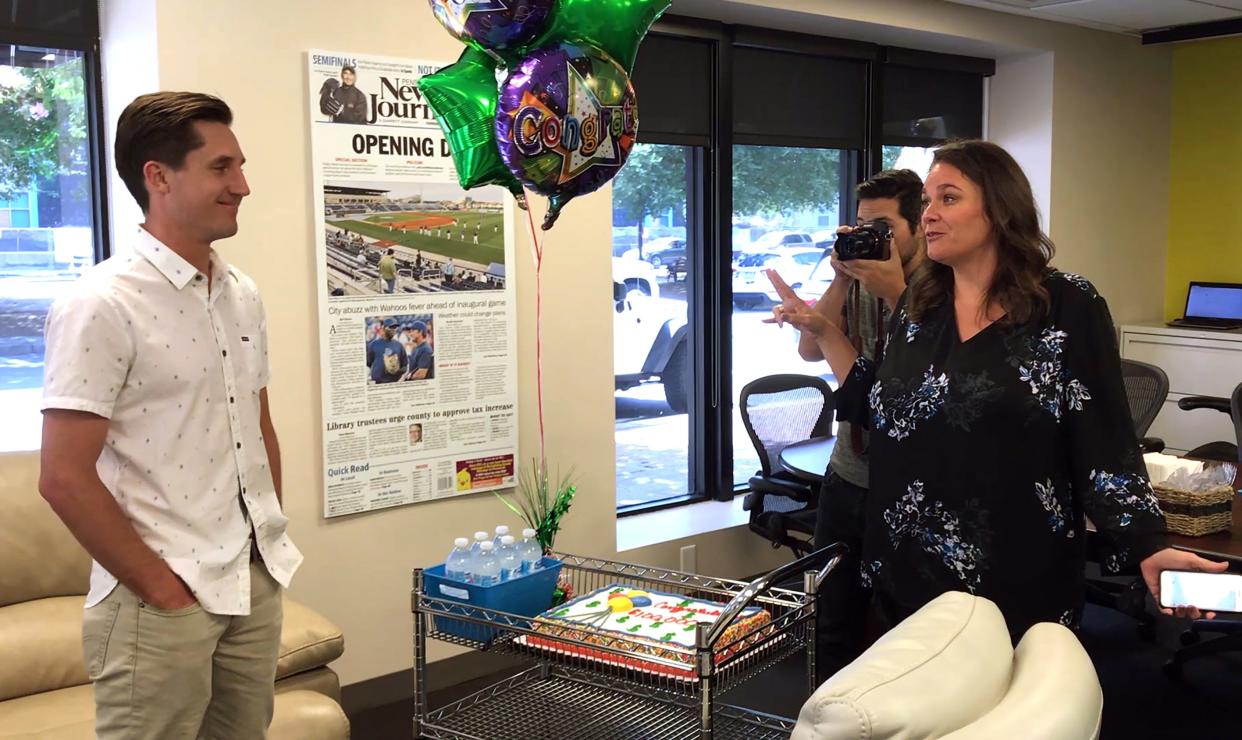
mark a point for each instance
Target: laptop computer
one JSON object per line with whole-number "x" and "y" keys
{"x": 1212, "y": 306}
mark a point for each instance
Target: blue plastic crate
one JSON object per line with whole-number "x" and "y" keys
{"x": 527, "y": 595}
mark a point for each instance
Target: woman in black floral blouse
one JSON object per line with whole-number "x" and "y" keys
{"x": 998, "y": 414}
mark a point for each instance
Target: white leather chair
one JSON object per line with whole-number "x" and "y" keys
{"x": 949, "y": 671}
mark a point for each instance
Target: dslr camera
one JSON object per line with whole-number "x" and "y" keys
{"x": 868, "y": 241}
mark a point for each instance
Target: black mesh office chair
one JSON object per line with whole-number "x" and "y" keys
{"x": 777, "y": 411}
{"x": 1222, "y": 451}
{"x": 1229, "y": 629}
{"x": 1147, "y": 387}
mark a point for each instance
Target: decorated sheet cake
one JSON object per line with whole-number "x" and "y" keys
{"x": 644, "y": 624}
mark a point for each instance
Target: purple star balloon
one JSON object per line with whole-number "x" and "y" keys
{"x": 493, "y": 25}
{"x": 566, "y": 122}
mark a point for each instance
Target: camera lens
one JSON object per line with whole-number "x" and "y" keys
{"x": 857, "y": 244}
{"x": 866, "y": 242}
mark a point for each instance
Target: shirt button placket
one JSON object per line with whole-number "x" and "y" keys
{"x": 230, "y": 391}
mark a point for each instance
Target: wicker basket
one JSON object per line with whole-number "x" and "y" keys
{"x": 1196, "y": 513}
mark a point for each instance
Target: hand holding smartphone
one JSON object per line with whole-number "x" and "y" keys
{"x": 1217, "y": 592}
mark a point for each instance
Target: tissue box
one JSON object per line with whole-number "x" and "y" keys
{"x": 1196, "y": 513}
{"x": 1161, "y": 467}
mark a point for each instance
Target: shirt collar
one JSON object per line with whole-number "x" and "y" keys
{"x": 173, "y": 266}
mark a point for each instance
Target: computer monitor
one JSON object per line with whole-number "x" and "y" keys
{"x": 1214, "y": 301}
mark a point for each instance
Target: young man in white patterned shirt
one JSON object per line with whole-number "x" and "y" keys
{"x": 158, "y": 447}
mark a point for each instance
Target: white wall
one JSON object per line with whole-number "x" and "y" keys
{"x": 1108, "y": 156}
{"x": 130, "y": 68}
{"x": 1020, "y": 118}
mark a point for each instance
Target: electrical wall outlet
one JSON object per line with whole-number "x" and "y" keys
{"x": 689, "y": 559}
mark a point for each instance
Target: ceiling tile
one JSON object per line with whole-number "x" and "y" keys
{"x": 1136, "y": 15}
{"x": 1231, "y": 4}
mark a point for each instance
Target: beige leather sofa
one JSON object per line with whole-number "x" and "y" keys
{"x": 44, "y": 691}
{"x": 949, "y": 671}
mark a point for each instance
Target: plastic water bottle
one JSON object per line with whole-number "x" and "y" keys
{"x": 486, "y": 569}
{"x": 501, "y": 532}
{"x": 457, "y": 564}
{"x": 479, "y": 538}
{"x": 529, "y": 551}
{"x": 510, "y": 561}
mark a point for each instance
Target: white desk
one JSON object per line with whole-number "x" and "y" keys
{"x": 1198, "y": 362}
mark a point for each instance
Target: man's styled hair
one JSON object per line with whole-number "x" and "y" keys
{"x": 349, "y": 68}
{"x": 904, "y": 186}
{"x": 159, "y": 127}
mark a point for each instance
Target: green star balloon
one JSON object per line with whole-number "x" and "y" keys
{"x": 463, "y": 96}
{"x": 615, "y": 26}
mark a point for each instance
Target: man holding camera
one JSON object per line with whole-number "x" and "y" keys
{"x": 872, "y": 262}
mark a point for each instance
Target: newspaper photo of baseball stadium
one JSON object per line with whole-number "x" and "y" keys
{"x": 403, "y": 238}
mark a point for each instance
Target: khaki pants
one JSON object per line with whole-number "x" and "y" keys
{"x": 168, "y": 675}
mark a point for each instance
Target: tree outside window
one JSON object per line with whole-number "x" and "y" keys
{"x": 46, "y": 216}
{"x": 42, "y": 128}
{"x": 655, "y": 183}
{"x": 771, "y": 180}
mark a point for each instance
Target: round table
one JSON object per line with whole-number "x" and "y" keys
{"x": 808, "y": 459}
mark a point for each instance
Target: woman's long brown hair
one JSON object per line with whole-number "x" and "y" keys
{"x": 1023, "y": 250}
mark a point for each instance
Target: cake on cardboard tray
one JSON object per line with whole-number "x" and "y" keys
{"x": 645, "y": 624}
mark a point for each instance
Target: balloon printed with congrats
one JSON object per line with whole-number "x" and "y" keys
{"x": 494, "y": 25}
{"x": 566, "y": 122}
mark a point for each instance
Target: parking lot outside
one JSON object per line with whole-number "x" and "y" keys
{"x": 775, "y": 224}
{"x": 652, "y": 440}
{"x": 26, "y": 294}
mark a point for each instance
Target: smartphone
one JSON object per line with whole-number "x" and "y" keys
{"x": 1217, "y": 592}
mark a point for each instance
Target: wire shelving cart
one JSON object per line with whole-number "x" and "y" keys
{"x": 595, "y": 688}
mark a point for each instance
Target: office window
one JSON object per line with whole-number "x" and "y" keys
{"x": 750, "y": 147}
{"x": 929, "y": 98}
{"x": 794, "y": 155}
{"x": 658, "y": 252}
{"x": 40, "y": 17}
{"x": 787, "y": 205}
{"x": 673, "y": 75}
{"x": 652, "y": 347}
{"x": 917, "y": 158}
{"x": 50, "y": 202}
{"x": 782, "y": 97}
{"x": 927, "y": 106}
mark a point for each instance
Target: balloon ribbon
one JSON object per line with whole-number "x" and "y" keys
{"x": 537, "y": 246}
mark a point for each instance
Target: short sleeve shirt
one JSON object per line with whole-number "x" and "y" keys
{"x": 387, "y": 359}
{"x": 177, "y": 372}
{"x": 421, "y": 358}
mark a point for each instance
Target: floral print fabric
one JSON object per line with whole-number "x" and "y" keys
{"x": 990, "y": 453}
{"x": 902, "y": 413}
{"x": 1043, "y": 369}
